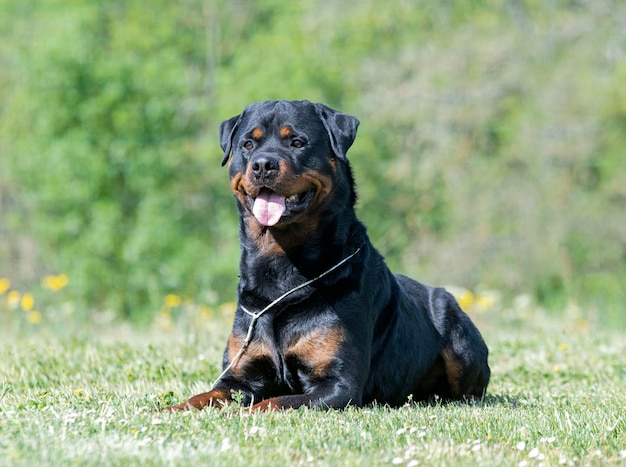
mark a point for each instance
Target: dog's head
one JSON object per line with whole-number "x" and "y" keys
{"x": 288, "y": 159}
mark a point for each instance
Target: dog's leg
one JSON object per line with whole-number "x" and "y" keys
{"x": 467, "y": 375}
{"x": 464, "y": 353}
{"x": 214, "y": 398}
{"x": 300, "y": 400}
{"x": 333, "y": 393}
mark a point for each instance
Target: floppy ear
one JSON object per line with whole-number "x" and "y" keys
{"x": 227, "y": 131}
{"x": 341, "y": 128}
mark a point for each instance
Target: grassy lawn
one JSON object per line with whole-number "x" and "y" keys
{"x": 86, "y": 395}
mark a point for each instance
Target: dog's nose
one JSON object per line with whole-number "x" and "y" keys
{"x": 265, "y": 166}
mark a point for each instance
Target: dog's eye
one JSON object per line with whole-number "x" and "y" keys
{"x": 248, "y": 145}
{"x": 297, "y": 143}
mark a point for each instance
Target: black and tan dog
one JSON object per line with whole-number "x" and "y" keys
{"x": 321, "y": 321}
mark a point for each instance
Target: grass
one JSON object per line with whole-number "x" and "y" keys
{"x": 87, "y": 396}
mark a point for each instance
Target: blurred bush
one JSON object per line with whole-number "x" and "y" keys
{"x": 491, "y": 150}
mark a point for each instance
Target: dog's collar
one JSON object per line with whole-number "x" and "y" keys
{"x": 301, "y": 286}
{"x": 256, "y": 316}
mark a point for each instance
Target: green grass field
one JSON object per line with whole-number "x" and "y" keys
{"x": 87, "y": 395}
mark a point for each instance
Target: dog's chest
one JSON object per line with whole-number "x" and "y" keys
{"x": 286, "y": 356}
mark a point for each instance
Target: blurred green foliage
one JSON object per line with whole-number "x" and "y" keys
{"x": 491, "y": 151}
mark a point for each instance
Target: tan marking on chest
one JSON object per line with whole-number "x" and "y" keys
{"x": 256, "y": 349}
{"x": 317, "y": 348}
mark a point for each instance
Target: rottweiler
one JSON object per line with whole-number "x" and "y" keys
{"x": 321, "y": 321}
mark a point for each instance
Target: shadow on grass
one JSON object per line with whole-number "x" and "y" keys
{"x": 504, "y": 400}
{"x": 490, "y": 400}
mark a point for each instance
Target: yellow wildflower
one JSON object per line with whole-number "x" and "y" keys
{"x": 173, "y": 301}
{"x": 465, "y": 299}
{"x": 62, "y": 281}
{"x": 28, "y": 302}
{"x": 55, "y": 283}
{"x": 5, "y": 284}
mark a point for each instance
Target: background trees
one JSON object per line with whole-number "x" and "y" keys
{"x": 490, "y": 152}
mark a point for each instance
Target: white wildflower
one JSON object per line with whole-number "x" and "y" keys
{"x": 225, "y": 445}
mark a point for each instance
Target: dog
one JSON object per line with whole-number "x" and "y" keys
{"x": 321, "y": 321}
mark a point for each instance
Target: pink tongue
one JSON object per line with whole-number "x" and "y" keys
{"x": 268, "y": 207}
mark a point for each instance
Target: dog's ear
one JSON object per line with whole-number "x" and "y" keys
{"x": 227, "y": 131}
{"x": 341, "y": 128}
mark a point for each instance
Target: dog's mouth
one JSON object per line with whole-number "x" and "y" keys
{"x": 269, "y": 207}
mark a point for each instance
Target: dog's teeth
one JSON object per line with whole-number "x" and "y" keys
{"x": 292, "y": 198}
